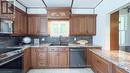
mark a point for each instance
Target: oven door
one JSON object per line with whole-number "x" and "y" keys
{"x": 13, "y": 65}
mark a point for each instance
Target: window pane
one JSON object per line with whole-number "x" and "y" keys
{"x": 58, "y": 28}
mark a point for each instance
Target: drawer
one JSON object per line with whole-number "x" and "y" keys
{"x": 96, "y": 70}
{"x": 118, "y": 70}
{"x": 41, "y": 49}
{"x": 101, "y": 64}
{"x": 42, "y": 64}
{"x": 63, "y": 49}
{"x": 42, "y": 55}
{"x": 53, "y": 49}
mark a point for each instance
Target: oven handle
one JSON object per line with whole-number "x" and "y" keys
{"x": 4, "y": 62}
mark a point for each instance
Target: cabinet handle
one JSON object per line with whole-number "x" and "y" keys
{"x": 99, "y": 61}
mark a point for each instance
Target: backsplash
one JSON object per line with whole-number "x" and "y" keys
{"x": 13, "y": 41}
{"x": 7, "y": 41}
{"x": 70, "y": 39}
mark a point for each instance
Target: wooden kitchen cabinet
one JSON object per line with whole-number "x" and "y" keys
{"x": 37, "y": 25}
{"x": 89, "y": 57}
{"x": 7, "y": 9}
{"x": 27, "y": 60}
{"x": 63, "y": 57}
{"x": 39, "y": 57}
{"x": 53, "y": 59}
{"x": 20, "y": 23}
{"x": 100, "y": 65}
{"x": 118, "y": 70}
{"x": 43, "y": 57}
{"x": 58, "y": 57}
{"x": 83, "y": 24}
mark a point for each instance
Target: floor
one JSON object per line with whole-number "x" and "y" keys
{"x": 79, "y": 70}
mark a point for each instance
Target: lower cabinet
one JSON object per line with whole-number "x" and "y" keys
{"x": 100, "y": 65}
{"x": 64, "y": 57}
{"x": 118, "y": 70}
{"x": 27, "y": 60}
{"x": 49, "y": 57}
{"x": 53, "y": 59}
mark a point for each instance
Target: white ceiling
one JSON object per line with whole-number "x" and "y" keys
{"x": 32, "y": 3}
{"x": 61, "y": 3}
{"x": 58, "y": 3}
{"x": 86, "y": 3}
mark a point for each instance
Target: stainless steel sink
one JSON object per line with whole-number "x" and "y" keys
{"x": 55, "y": 44}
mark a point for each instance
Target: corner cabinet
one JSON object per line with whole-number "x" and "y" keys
{"x": 20, "y": 23}
{"x": 81, "y": 24}
{"x": 37, "y": 25}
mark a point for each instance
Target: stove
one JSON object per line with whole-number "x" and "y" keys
{"x": 11, "y": 60}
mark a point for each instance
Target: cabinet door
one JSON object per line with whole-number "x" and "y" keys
{"x": 42, "y": 59}
{"x": 117, "y": 70}
{"x": 20, "y": 24}
{"x": 90, "y": 24}
{"x": 63, "y": 59}
{"x": 53, "y": 59}
{"x": 89, "y": 57}
{"x": 33, "y": 25}
{"x": 34, "y": 58}
{"x": 83, "y": 25}
{"x": 37, "y": 25}
{"x": 74, "y": 26}
{"x": 6, "y": 10}
{"x": 43, "y": 26}
{"x": 27, "y": 60}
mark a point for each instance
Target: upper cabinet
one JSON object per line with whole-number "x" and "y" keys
{"x": 6, "y": 9}
{"x": 37, "y": 25}
{"x": 58, "y": 13}
{"x": 20, "y": 23}
{"x": 81, "y": 24}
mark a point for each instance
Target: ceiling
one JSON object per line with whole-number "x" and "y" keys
{"x": 79, "y": 4}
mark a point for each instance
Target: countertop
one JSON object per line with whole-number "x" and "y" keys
{"x": 48, "y": 45}
{"x": 120, "y": 58}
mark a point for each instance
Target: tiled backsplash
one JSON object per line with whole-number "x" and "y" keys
{"x": 70, "y": 39}
{"x": 10, "y": 41}
{"x": 7, "y": 41}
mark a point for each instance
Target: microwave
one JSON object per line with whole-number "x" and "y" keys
{"x": 6, "y": 26}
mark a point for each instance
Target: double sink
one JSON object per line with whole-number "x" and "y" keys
{"x": 59, "y": 44}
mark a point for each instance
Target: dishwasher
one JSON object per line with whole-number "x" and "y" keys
{"x": 77, "y": 57}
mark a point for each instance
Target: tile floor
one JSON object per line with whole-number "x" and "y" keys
{"x": 77, "y": 70}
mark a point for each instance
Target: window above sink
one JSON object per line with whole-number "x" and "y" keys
{"x": 57, "y": 28}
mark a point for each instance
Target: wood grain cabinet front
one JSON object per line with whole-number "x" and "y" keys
{"x": 27, "y": 60}
{"x": 50, "y": 57}
{"x": 100, "y": 65}
{"x": 39, "y": 58}
{"x": 118, "y": 70}
{"x": 82, "y": 24}
{"x": 20, "y": 23}
{"x": 37, "y": 25}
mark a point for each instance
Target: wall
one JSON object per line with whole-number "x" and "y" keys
{"x": 103, "y": 21}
